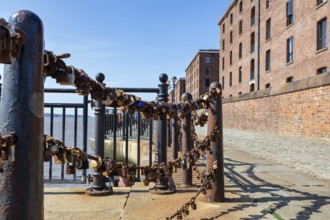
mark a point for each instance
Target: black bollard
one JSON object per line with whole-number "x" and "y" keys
{"x": 22, "y": 112}
{"x": 99, "y": 187}
{"x": 217, "y": 193}
{"x": 162, "y": 186}
{"x": 187, "y": 142}
{"x": 162, "y": 121}
{"x": 175, "y": 136}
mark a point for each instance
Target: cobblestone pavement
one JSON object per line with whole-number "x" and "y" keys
{"x": 304, "y": 154}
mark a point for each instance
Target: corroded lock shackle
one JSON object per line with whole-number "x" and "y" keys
{"x": 5, "y": 45}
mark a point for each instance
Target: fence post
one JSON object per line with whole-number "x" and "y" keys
{"x": 21, "y": 181}
{"x": 162, "y": 120}
{"x": 164, "y": 184}
{"x": 217, "y": 193}
{"x": 175, "y": 136}
{"x": 99, "y": 187}
{"x": 187, "y": 141}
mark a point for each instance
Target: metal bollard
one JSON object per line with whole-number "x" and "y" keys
{"x": 175, "y": 136}
{"x": 187, "y": 142}
{"x": 22, "y": 105}
{"x": 99, "y": 187}
{"x": 164, "y": 184}
{"x": 217, "y": 193}
{"x": 162, "y": 121}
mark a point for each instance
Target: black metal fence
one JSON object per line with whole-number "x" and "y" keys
{"x": 56, "y": 173}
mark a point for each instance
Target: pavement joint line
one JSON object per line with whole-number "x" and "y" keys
{"x": 127, "y": 197}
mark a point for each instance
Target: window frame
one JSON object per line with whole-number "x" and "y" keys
{"x": 240, "y": 74}
{"x": 268, "y": 29}
{"x": 240, "y": 50}
{"x": 253, "y": 16}
{"x": 290, "y": 50}
{"x": 268, "y": 60}
{"x": 321, "y": 34}
{"x": 289, "y": 12}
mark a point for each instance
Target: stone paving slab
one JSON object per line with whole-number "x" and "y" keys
{"x": 72, "y": 203}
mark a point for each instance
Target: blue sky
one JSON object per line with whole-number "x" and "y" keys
{"x": 131, "y": 42}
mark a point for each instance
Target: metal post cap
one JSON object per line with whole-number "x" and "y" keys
{"x": 186, "y": 96}
{"x": 215, "y": 85}
{"x": 163, "y": 78}
{"x": 100, "y": 77}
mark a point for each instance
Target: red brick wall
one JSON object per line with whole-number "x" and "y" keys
{"x": 301, "y": 113}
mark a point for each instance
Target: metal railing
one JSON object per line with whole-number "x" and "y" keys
{"x": 57, "y": 174}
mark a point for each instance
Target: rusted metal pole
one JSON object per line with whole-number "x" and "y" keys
{"x": 162, "y": 121}
{"x": 22, "y": 105}
{"x": 175, "y": 136}
{"x": 99, "y": 187}
{"x": 217, "y": 193}
{"x": 187, "y": 142}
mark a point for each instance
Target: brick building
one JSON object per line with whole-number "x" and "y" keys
{"x": 265, "y": 44}
{"x": 179, "y": 89}
{"x": 202, "y": 71}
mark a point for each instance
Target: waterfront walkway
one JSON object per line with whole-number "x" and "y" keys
{"x": 258, "y": 186}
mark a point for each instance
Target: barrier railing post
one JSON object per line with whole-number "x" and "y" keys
{"x": 187, "y": 141}
{"x": 217, "y": 193}
{"x": 21, "y": 180}
{"x": 99, "y": 187}
{"x": 162, "y": 120}
{"x": 162, "y": 184}
{"x": 175, "y": 136}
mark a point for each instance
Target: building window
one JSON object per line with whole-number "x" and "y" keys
{"x": 268, "y": 29}
{"x": 251, "y": 87}
{"x": 240, "y": 6}
{"x": 289, "y": 50}
{"x": 252, "y": 42}
{"x": 223, "y": 63}
{"x": 207, "y": 82}
{"x": 207, "y": 71}
{"x": 268, "y": 3}
{"x": 223, "y": 28}
{"x": 208, "y": 59}
{"x": 252, "y": 70}
{"x": 253, "y": 16}
{"x": 319, "y": 2}
{"x": 231, "y": 18}
{"x": 240, "y": 27}
{"x": 289, "y": 12}
{"x": 321, "y": 70}
{"x": 322, "y": 34}
{"x": 289, "y": 79}
{"x": 268, "y": 60}
{"x": 231, "y": 57}
{"x": 231, "y": 37}
{"x": 267, "y": 86}
{"x": 223, "y": 44}
{"x": 240, "y": 74}
{"x": 223, "y": 82}
{"x": 230, "y": 79}
{"x": 240, "y": 49}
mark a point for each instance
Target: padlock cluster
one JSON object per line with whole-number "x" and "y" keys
{"x": 11, "y": 40}
{"x": 7, "y": 141}
{"x": 198, "y": 108}
{"x": 206, "y": 180}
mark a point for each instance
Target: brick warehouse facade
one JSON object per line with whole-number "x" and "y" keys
{"x": 274, "y": 67}
{"x": 202, "y": 71}
{"x": 301, "y": 108}
{"x": 179, "y": 89}
{"x": 289, "y": 43}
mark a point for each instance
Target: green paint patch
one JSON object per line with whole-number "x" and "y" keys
{"x": 271, "y": 210}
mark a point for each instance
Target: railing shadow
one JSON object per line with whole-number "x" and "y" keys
{"x": 263, "y": 191}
